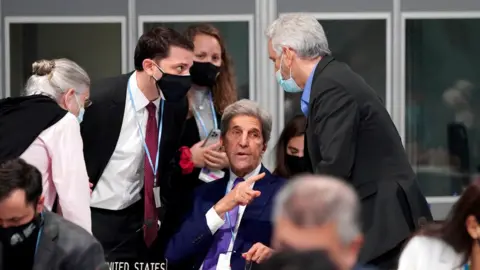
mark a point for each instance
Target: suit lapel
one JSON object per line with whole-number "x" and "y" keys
{"x": 117, "y": 109}
{"x": 254, "y": 210}
{"x": 46, "y": 247}
{"x": 112, "y": 115}
{"x": 320, "y": 67}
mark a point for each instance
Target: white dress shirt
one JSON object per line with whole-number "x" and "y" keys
{"x": 122, "y": 180}
{"x": 423, "y": 252}
{"x": 58, "y": 154}
{"x": 215, "y": 222}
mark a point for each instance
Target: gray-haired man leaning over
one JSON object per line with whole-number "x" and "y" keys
{"x": 349, "y": 135}
{"x": 319, "y": 213}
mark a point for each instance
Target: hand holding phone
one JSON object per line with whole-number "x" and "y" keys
{"x": 212, "y": 138}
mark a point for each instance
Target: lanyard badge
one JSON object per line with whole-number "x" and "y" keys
{"x": 202, "y": 123}
{"x": 156, "y": 189}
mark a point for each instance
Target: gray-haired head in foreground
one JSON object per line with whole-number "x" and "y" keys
{"x": 314, "y": 200}
{"x": 249, "y": 108}
{"x": 301, "y": 32}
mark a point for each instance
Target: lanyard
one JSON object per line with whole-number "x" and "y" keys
{"x": 229, "y": 222}
{"x": 202, "y": 123}
{"x": 40, "y": 231}
{"x": 160, "y": 129}
{"x": 38, "y": 239}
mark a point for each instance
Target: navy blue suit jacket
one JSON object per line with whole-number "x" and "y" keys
{"x": 188, "y": 248}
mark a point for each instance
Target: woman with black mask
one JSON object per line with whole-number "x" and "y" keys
{"x": 289, "y": 150}
{"x": 213, "y": 89}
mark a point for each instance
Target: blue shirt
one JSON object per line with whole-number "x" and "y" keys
{"x": 304, "y": 101}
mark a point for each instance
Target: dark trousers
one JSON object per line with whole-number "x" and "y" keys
{"x": 121, "y": 235}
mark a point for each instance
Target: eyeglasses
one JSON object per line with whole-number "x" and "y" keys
{"x": 87, "y": 103}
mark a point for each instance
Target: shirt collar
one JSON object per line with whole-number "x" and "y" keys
{"x": 308, "y": 85}
{"x": 139, "y": 98}
{"x": 256, "y": 171}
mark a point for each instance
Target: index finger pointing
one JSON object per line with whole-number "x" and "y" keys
{"x": 255, "y": 178}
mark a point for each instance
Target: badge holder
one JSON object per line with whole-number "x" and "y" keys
{"x": 156, "y": 195}
{"x": 207, "y": 175}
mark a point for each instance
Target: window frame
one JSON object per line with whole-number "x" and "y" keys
{"x": 401, "y": 95}
{"x": 9, "y": 20}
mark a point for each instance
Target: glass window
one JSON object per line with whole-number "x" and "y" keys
{"x": 442, "y": 97}
{"x": 359, "y": 43}
{"x": 97, "y": 47}
{"x": 235, "y": 35}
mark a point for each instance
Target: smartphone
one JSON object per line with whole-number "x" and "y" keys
{"x": 212, "y": 138}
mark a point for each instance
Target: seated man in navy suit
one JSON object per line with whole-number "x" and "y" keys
{"x": 230, "y": 224}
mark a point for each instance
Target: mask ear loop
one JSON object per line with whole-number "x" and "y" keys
{"x": 281, "y": 64}
{"x": 160, "y": 93}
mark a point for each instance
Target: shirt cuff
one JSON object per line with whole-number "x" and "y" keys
{"x": 214, "y": 221}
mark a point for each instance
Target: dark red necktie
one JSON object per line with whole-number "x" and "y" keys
{"x": 150, "y": 212}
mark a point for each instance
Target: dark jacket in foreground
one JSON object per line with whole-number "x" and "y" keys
{"x": 65, "y": 246}
{"x": 349, "y": 134}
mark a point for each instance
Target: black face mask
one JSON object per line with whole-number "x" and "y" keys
{"x": 174, "y": 87}
{"x": 296, "y": 165}
{"x": 204, "y": 73}
{"x": 13, "y": 236}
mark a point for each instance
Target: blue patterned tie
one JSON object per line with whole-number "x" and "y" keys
{"x": 222, "y": 238}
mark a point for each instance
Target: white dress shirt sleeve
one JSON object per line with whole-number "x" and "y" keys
{"x": 214, "y": 221}
{"x": 69, "y": 172}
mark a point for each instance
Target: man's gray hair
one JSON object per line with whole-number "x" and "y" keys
{"x": 301, "y": 32}
{"x": 249, "y": 108}
{"x": 314, "y": 200}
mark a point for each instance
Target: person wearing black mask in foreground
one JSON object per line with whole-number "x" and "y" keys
{"x": 213, "y": 89}
{"x": 131, "y": 132}
{"x": 289, "y": 152}
{"x": 31, "y": 237}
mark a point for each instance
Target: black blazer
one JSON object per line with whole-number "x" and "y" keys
{"x": 349, "y": 134}
{"x": 103, "y": 121}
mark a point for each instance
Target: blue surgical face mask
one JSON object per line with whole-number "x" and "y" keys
{"x": 288, "y": 85}
{"x": 81, "y": 112}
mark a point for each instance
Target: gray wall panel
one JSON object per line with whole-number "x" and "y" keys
{"x": 440, "y": 5}
{"x": 334, "y": 5}
{"x": 440, "y": 210}
{"x": 65, "y": 8}
{"x": 190, "y": 7}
